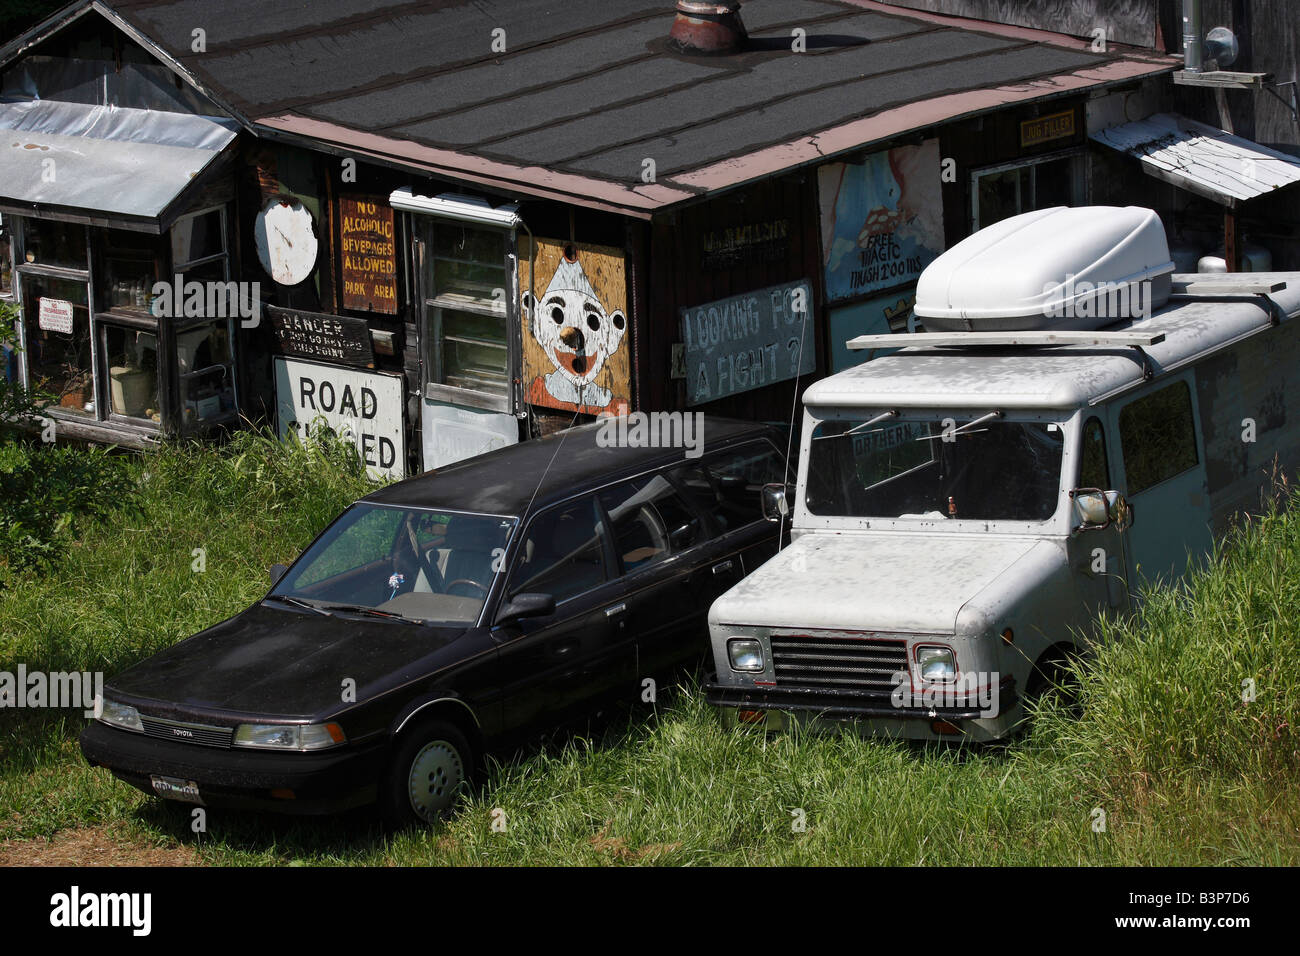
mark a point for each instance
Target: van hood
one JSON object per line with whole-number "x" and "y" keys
{"x": 872, "y": 581}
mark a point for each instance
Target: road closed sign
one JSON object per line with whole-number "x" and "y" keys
{"x": 362, "y": 407}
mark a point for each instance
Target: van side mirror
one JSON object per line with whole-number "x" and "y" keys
{"x": 776, "y": 501}
{"x": 526, "y": 604}
{"x": 277, "y": 572}
{"x": 1096, "y": 509}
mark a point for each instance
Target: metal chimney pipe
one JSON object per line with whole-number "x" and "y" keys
{"x": 1192, "y": 45}
{"x": 707, "y": 27}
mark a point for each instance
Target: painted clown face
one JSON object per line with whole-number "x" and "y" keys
{"x": 572, "y": 327}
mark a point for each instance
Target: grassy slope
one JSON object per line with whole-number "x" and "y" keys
{"x": 1186, "y": 772}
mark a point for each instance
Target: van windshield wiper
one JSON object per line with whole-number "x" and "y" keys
{"x": 368, "y": 612}
{"x": 297, "y": 602}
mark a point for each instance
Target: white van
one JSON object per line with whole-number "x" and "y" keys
{"x": 969, "y": 506}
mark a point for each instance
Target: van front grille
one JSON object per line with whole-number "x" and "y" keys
{"x": 838, "y": 660}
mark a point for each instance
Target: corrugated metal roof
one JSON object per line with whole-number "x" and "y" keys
{"x": 1202, "y": 159}
{"x": 586, "y": 90}
{"x": 142, "y": 160}
{"x": 1060, "y": 377}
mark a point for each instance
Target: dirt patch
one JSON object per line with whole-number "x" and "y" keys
{"x": 617, "y": 847}
{"x": 92, "y": 846}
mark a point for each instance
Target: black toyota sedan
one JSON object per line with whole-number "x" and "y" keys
{"x": 459, "y": 612}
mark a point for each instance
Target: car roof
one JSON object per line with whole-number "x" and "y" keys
{"x": 1058, "y": 377}
{"x": 545, "y": 470}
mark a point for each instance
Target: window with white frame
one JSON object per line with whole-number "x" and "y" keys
{"x": 1041, "y": 182}
{"x": 467, "y": 334}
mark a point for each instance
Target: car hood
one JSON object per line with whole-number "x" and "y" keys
{"x": 866, "y": 581}
{"x": 284, "y": 662}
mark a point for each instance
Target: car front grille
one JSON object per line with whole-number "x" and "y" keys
{"x": 203, "y": 734}
{"x": 849, "y": 661}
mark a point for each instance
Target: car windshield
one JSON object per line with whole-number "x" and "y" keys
{"x": 414, "y": 563}
{"x": 978, "y": 467}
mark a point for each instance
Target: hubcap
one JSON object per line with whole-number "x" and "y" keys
{"x": 437, "y": 774}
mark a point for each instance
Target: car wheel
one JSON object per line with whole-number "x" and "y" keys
{"x": 430, "y": 771}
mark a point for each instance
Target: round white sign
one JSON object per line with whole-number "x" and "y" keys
{"x": 286, "y": 241}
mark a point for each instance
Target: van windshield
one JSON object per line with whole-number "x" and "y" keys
{"x": 927, "y": 468}
{"x": 415, "y": 563}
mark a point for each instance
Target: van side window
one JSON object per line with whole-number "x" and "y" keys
{"x": 650, "y": 521}
{"x": 1158, "y": 436}
{"x": 562, "y": 552}
{"x": 1094, "y": 467}
{"x": 728, "y": 486}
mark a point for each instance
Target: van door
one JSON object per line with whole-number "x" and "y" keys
{"x": 1097, "y": 556}
{"x": 1162, "y": 472}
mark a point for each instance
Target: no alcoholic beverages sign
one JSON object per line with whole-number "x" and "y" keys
{"x": 369, "y": 255}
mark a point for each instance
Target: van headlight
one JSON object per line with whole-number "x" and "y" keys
{"x": 120, "y": 715}
{"x": 289, "y": 736}
{"x": 746, "y": 654}
{"x": 936, "y": 664}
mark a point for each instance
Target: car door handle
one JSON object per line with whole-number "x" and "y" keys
{"x": 615, "y": 610}
{"x": 723, "y": 567}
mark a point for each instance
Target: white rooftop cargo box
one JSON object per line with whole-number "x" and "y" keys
{"x": 1060, "y": 268}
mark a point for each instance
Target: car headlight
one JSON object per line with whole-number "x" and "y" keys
{"x": 746, "y": 654}
{"x": 936, "y": 664}
{"x": 289, "y": 736}
{"x": 120, "y": 715}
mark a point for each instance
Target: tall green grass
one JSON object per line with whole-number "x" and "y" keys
{"x": 1185, "y": 771}
{"x": 131, "y": 585}
{"x": 1204, "y": 682}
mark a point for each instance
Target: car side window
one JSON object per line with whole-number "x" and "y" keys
{"x": 1158, "y": 436}
{"x": 728, "y": 486}
{"x": 649, "y": 521}
{"x": 562, "y": 552}
{"x": 1094, "y": 467}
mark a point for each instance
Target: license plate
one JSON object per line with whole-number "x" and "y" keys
{"x": 174, "y": 788}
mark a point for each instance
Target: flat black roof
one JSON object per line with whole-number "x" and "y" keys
{"x": 587, "y": 89}
{"x": 546, "y": 470}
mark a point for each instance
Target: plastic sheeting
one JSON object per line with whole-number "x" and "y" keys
{"x": 108, "y": 159}
{"x": 99, "y": 82}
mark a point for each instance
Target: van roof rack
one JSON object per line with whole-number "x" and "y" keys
{"x": 1232, "y": 287}
{"x": 1028, "y": 338}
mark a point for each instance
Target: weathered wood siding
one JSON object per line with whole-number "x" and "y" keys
{"x": 1125, "y": 21}
{"x": 689, "y": 268}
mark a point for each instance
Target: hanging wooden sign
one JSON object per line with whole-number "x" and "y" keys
{"x": 330, "y": 338}
{"x": 369, "y": 253}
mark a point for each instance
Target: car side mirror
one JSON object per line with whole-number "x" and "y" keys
{"x": 526, "y": 604}
{"x": 276, "y": 571}
{"x": 776, "y": 501}
{"x": 1096, "y": 509}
